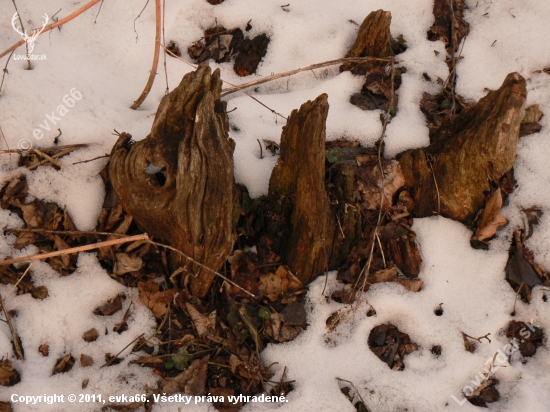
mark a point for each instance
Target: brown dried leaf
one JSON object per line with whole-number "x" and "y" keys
{"x": 64, "y": 364}
{"x": 191, "y": 381}
{"x": 149, "y": 360}
{"x": 90, "y": 335}
{"x": 491, "y": 219}
{"x": 86, "y": 360}
{"x": 44, "y": 349}
{"x": 8, "y": 375}
{"x": 414, "y": 285}
{"x": 125, "y": 263}
{"x": 203, "y": 324}
{"x": 273, "y": 285}
{"x": 85, "y": 383}
{"x": 110, "y": 307}
{"x": 155, "y": 299}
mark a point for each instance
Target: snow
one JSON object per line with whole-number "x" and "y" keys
{"x": 105, "y": 63}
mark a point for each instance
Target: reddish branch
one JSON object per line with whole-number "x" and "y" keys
{"x": 153, "y": 73}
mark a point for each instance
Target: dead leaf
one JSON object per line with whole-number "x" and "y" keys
{"x": 64, "y": 364}
{"x": 85, "y": 383}
{"x": 149, "y": 360}
{"x": 414, "y": 285}
{"x": 273, "y": 285}
{"x": 125, "y": 263}
{"x": 155, "y": 299}
{"x": 90, "y": 335}
{"x": 110, "y": 307}
{"x": 191, "y": 381}
{"x": 491, "y": 219}
{"x": 203, "y": 324}
{"x": 44, "y": 349}
{"x": 8, "y": 375}
{"x": 86, "y": 360}
{"x": 370, "y": 182}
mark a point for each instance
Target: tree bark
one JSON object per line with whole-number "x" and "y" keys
{"x": 451, "y": 176}
{"x": 178, "y": 183}
{"x": 301, "y": 223}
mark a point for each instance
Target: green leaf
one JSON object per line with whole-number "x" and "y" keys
{"x": 169, "y": 364}
{"x": 181, "y": 359}
{"x": 264, "y": 313}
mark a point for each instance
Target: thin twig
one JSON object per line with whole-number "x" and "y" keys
{"x": 453, "y": 40}
{"x": 112, "y": 358}
{"x": 46, "y": 149}
{"x": 54, "y": 25}
{"x": 164, "y": 46}
{"x": 202, "y": 266}
{"x": 22, "y": 28}
{"x": 153, "y": 72}
{"x": 91, "y": 160}
{"x": 4, "y": 137}
{"x": 19, "y": 281}
{"x": 354, "y": 388}
{"x": 6, "y": 69}
{"x": 138, "y": 16}
{"x": 266, "y": 79}
{"x": 49, "y": 158}
{"x": 77, "y": 249}
{"x": 366, "y": 268}
{"x": 101, "y": 5}
{"x": 16, "y": 340}
{"x": 63, "y": 232}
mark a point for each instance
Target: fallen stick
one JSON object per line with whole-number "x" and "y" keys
{"x": 78, "y": 249}
{"x": 45, "y": 149}
{"x": 266, "y": 79}
{"x": 53, "y": 25}
{"x": 113, "y": 242}
{"x": 153, "y": 72}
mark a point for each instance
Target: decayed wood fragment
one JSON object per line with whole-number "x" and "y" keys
{"x": 373, "y": 39}
{"x": 301, "y": 223}
{"x": 178, "y": 182}
{"x": 451, "y": 176}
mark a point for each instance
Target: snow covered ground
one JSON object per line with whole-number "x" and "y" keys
{"x": 108, "y": 63}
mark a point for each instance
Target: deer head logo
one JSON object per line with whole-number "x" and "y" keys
{"x": 30, "y": 39}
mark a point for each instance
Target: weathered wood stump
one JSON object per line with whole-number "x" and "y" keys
{"x": 301, "y": 223}
{"x": 373, "y": 40}
{"x": 451, "y": 176}
{"x": 178, "y": 182}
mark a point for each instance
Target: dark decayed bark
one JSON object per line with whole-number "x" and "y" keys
{"x": 301, "y": 223}
{"x": 466, "y": 154}
{"x": 178, "y": 183}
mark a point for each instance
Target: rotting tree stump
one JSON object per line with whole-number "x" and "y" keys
{"x": 452, "y": 176}
{"x": 302, "y": 220}
{"x": 178, "y": 182}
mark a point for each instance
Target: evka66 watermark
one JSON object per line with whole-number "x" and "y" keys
{"x": 30, "y": 39}
{"x": 69, "y": 100}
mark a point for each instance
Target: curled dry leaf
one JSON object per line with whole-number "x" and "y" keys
{"x": 8, "y": 375}
{"x": 203, "y": 324}
{"x": 155, "y": 299}
{"x": 126, "y": 263}
{"x": 491, "y": 219}
{"x": 64, "y": 364}
{"x": 110, "y": 307}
